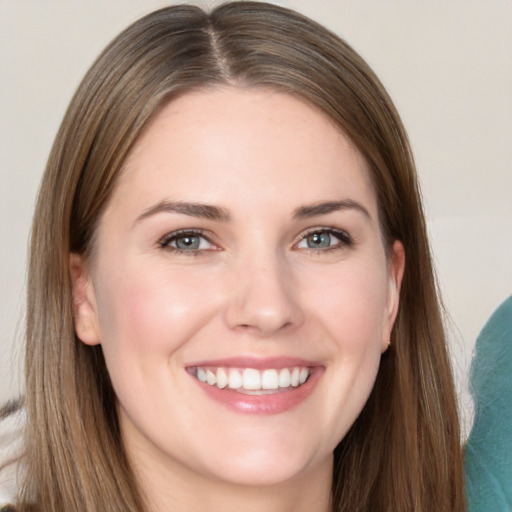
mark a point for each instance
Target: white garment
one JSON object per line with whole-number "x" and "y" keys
{"x": 11, "y": 451}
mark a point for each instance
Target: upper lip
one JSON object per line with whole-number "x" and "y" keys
{"x": 258, "y": 363}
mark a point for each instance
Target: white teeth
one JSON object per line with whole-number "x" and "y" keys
{"x": 284, "y": 378}
{"x": 270, "y": 379}
{"x": 294, "y": 378}
{"x": 211, "y": 378}
{"x": 252, "y": 380}
{"x": 201, "y": 374}
{"x": 234, "y": 379}
{"x": 222, "y": 378}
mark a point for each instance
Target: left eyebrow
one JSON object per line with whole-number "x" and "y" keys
{"x": 308, "y": 211}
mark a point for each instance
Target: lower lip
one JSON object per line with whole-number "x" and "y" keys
{"x": 274, "y": 403}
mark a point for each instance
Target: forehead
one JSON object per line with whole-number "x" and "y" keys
{"x": 236, "y": 144}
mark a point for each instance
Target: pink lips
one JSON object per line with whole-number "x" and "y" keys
{"x": 272, "y": 403}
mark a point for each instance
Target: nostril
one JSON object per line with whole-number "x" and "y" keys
{"x": 263, "y": 329}
{"x": 263, "y": 306}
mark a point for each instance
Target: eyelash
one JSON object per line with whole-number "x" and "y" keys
{"x": 165, "y": 242}
{"x": 345, "y": 240}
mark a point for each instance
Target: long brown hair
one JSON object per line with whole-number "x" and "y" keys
{"x": 403, "y": 452}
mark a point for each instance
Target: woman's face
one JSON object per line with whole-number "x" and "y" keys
{"x": 239, "y": 288}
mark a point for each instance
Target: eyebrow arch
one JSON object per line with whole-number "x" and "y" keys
{"x": 305, "y": 212}
{"x": 205, "y": 211}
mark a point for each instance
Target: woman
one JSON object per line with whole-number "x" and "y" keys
{"x": 231, "y": 300}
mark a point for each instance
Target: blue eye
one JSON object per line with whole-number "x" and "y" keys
{"x": 186, "y": 241}
{"x": 319, "y": 240}
{"x": 324, "y": 239}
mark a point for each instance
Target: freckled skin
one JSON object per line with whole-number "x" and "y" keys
{"x": 254, "y": 288}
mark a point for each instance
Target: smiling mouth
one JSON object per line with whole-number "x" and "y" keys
{"x": 251, "y": 381}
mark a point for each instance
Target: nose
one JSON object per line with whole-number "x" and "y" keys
{"x": 264, "y": 299}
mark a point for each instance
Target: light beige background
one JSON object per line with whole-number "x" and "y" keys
{"x": 447, "y": 64}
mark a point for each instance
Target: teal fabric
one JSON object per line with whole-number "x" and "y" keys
{"x": 488, "y": 452}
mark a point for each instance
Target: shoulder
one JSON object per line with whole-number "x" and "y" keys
{"x": 488, "y": 452}
{"x": 12, "y": 420}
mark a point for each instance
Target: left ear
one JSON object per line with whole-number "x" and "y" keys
{"x": 396, "y": 267}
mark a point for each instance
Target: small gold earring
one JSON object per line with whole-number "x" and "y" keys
{"x": 84, "y": 328}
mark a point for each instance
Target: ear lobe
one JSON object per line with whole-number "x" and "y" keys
{"x": 396, "y": 267}
{"x": 84, "y": 302}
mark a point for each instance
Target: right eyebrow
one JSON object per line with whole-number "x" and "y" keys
{"x": 204, "y": 211}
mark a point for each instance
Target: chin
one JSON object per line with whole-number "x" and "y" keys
{"x": 261, "y": 470}
{"x": 267, "y": 461}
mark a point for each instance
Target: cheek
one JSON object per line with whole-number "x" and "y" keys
{"x": 352, "y": 304}
{"x": 344, "y": 307}
{"x": 149, "y": 312}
